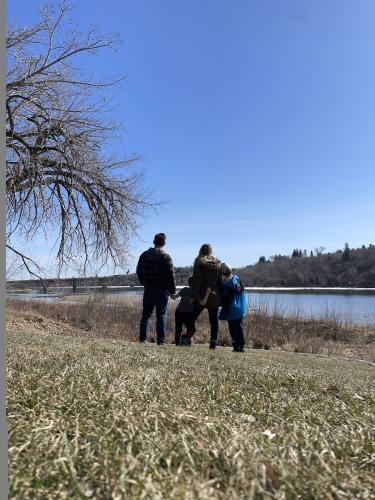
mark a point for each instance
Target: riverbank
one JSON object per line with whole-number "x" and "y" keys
{"x": 94, "y": 317}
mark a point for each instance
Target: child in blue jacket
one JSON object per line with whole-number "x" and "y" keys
{"x": 234, "y": 306}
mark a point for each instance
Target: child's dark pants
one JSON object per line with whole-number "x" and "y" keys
{"x": 181, "y": 319}
{"x": 236, "y": 332}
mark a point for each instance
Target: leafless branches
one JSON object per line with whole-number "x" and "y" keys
{"x": 57, "y": 176}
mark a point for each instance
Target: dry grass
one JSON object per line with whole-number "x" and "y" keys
{"x": 118, "y": 318}
{"x": 92, "y": 418}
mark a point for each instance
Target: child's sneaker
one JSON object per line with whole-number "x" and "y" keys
{"x": 185, "y": 341}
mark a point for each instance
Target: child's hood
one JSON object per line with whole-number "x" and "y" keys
{"x": 233, "y": 282}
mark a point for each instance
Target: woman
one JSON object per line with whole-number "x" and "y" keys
{"x": 206, "y": 274}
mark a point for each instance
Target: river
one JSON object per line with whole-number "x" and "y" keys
{"x": 347, "y": 305}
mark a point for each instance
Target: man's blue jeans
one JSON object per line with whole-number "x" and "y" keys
{"x": 158, "y": 298}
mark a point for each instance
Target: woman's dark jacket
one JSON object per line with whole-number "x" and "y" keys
{"x": 206, "y": 273}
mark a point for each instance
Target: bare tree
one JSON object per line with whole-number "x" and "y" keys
{"x": 319, "y": 250}
{"x": 13, "y": 266}
{"x": 57, "y": 175}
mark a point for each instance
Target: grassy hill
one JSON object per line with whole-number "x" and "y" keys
{"x": 90, "y": 418}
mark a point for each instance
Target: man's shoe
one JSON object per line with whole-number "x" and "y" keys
{"x": 143, "y": 342}
{"x": 212, "y": 344}
{"x": 185, "y": 341}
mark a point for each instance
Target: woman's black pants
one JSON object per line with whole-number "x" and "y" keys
{"x": 213, "y": 314}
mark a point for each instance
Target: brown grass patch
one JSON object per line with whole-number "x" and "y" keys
{"x": 118, "y": 318}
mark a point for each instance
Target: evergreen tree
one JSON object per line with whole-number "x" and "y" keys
{"x": 346, "y": 252}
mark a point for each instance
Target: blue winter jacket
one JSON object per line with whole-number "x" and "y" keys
{"x": 234, "y": 302}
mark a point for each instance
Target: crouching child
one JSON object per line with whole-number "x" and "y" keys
{"x": 186, "y": 314}
{"x": 234, "y": 306}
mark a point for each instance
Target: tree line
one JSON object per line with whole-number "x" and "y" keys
{"x": 349, "y": 267}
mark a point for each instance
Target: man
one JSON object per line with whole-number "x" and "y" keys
{"x": 156, "y": 273}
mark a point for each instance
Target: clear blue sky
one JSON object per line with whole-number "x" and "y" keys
{"x": 255, "y": 119}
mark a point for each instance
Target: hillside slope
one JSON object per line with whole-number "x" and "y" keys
{"x": 348, "y": 268}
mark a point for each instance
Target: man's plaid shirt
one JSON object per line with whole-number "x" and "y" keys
{"x": 155, "y": 268}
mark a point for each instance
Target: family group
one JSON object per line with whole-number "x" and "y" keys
{"x": 212, "y": 286}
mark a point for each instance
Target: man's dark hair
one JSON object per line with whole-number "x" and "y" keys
{"x": 159, "y": 239}
{"x": 190, "y": 281}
